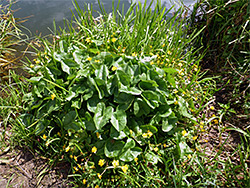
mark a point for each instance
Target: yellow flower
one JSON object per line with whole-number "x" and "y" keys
{"x": 150, "y": 133}
{"x": 101, "y": 162}
{"x": 156, "y": 149}
{"x": 89, "y": 58}
{"x": 75, "y": 168}
{"x": 123, "y": 50}
{"x": 97, "y": 134}
{"x": 94, "y": 149}
{"x": 44, "y": 136}
{"x": 59, "y": 134}
{"x": 31, "y": 66}
{"x": 175, "y": 91}
{"x": 150, "y": 46}
{"x": 164, "y": 145}
{"x": 67, "y": 149}
{"x": 195, "y": 137}
{"x": 176, "y": 102}
{"x": 216, "y": 121}
{"x": 53, "y": 96}
{"x": 169, "y": 53}
{"x": 184, "y": 132}
{"x": 124, "y": 168}
{"x": 201, "y": 126}
{"x": 189, "y": 156}
{"x": 99, "y": 176}
{"x": 115, "y": 163}
{"x": 97, "y": 60}
{"x": 87, "y": 40}
{"x": 114, "y": 68}
{"x": 134, "y": 54}
{"x": 212, "y": 107}
{"x": 114, "y": 39}
{"x": 163, "y": 45}
{"x": 151, "y": 54}
{"x": 37, "y": 61}
{"x": 145, "y": 135}
{"x": 202, "y": 122}
{"x": 151, "y": 63}
{"x": 47, "y": 143}
{"x": 136, "y": 159}
{"x": 84, "y": 181}
{"x": 97, "y": 186}
{"x": 75, "y": 157}
{"x": 79, "y": 166}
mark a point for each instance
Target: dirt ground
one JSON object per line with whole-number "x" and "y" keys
{"x": 21, "y": 169}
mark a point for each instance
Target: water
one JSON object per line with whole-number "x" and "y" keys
{"x": 42, "y": 13}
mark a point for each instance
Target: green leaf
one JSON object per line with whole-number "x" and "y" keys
{"x": 92, "y": 103}
{"x": 151, "y": 128}
{"x": 102, "y": 115}
{"x": 130, "y": 154}
{"x": 129, "y": 90}
{"x": 116, "y": 135}
{"x": 147, "y": 84}
{"x": 70, "y": 95}
{"x": 77, "y": 103}
{"x": 141, "y": 107}
{"x": 65, "y": 67}
{"x": 152, "y": 158}
{"x": 151, "y": 98}
{"x": 123, "y": 77}
{"x": 113, "y": 148}
{"x": 169, "y": 123}
{"x": 69, "y": 118}
{"x": 119, "y": 119}
{"x": 182, "y": 108}
{"x": 89, "y": 122}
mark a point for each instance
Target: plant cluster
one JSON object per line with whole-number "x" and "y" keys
{"x": 107, "y": 96}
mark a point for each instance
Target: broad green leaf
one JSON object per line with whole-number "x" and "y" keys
{"x": 123, "y": 77}
{"x": 100, "y": 91}
{"x": 113, "y": 148}
{"x": 151, "y": 98}
{"x": 123, "y": 98}
{"x": 35, "y": 79}
{"x": 69, "y": 118}
{"x": 129, "y": 90}
{"x": 72, "y": 126}
{"x": 102, "y": 115}
{"x": 182, "y": 108}
{"x": 141, "y": 107}
{"x": 129, "y": 144}
{"x": 119, "y": 120}
{"x": 113, "y": 85}
{"x": 70, "y": 95}
{"x": 130, "y": 154}
{"x": 169, "y": 123}
{"x": 147, "y": 84}
{"x": 65, "y": 67}
{"x": 151, "y": 128}
{"x": 92, "y": 103}
{"x": 116, "y": 135}
{"x": 102, "y": 73}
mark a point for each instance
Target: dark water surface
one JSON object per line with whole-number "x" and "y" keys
{"x": 42, "y": 13}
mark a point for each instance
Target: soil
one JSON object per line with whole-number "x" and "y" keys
{"x": 21, "y": 168}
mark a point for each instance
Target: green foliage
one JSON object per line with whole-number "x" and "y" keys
{"x": 106, "y": 93}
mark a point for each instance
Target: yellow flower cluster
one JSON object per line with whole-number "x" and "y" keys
{"x": 147, "y": 134}
{"x": 124, "y": 168}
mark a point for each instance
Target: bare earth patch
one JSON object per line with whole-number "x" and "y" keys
{"x": 20, "y": 168}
